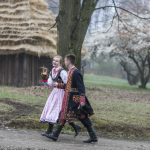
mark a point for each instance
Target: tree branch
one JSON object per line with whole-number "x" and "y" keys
{"x": 53, "y": 26}
{"x": 54, "y": 23}
{"x": 54, "y": 2}
{"x": 53, "y": 7}
{"x": 136, "y": 62}
{"x": 116, "y": 12}
{"x": 122, "y": 9}
{"x": 124, "y": 65}
{"x": 111, "y": 24}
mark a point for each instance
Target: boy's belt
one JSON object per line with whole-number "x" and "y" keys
{"x": 74, "y": 90}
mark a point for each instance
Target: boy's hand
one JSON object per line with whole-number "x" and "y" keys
{"x": 82, "y": 104}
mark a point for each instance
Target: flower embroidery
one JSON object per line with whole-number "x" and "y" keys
{"x": 76, "y": 98}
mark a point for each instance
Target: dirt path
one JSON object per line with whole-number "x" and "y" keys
{"x": 32, "y": 140}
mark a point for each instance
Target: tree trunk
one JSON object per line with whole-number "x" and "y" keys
{"x": 73, "y": 21}
{"x": 132, "y": 79}
{"x": 63, "y": 27}
{"x": 143, "y": 85}
{"x": 141, "y": 69}
{"x": 144, "y": 80}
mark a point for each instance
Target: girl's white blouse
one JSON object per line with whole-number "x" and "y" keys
{"x": 63, "y": 75}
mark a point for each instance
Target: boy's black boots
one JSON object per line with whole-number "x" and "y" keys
{"x": 92, "y": 133}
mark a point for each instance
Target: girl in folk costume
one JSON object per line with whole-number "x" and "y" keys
{"x": 53, "y": 105}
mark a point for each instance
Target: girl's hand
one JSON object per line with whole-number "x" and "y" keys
{"x": 55, "y": 84}
{"x": 45, "y": 85}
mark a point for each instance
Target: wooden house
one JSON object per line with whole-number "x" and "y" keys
{"x": 26, "y": 43}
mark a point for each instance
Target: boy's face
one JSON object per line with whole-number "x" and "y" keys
{"x": 66, "y": 62}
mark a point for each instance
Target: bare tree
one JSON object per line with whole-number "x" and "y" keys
{"x": 127, "y": 41}
{"x": 73, "y": 21}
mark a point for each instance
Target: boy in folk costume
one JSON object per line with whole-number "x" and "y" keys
{"x": 53, "y": 105}
{"x": 74, "y": 98}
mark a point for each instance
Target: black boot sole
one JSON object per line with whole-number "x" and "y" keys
{"x": 44, "y": 134}
{"x": 90, "y": 141}
{"x": 52, "y": 138}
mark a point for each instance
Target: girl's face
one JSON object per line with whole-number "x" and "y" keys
{"x": 56, "y": 62}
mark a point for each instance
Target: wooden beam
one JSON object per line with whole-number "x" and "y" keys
{"x": 20, "y": 71}
{"x": 6, "y": 70}
{"x": 25, "y": 71}
{"x": 30, "y": 70}
{"x": 33, "y": 71}
{"x": 36, "y": 71}
{"x": 3, "y": 70}
{"x": 9, "y": 70}
{"x": 13, "y": 70}
{"x": 16, "y": 70}
{"x": 28, "y": 75}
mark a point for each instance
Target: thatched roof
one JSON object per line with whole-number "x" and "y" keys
{"x": 84, "y": 51}
{"x": 24, "y": 27}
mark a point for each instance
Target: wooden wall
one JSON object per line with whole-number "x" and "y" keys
{"x": 47, "y": 62}
{"x": 22, "y": 70}
{"x": 9, "y": 70}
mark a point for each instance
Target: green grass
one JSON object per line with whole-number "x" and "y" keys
{"x": 130, "y": 113}
{"x": 105, "y": 81}
{"x": 6, "y": 107}
{"x": 109, "y": 113}
{"x": 31, "y": 100}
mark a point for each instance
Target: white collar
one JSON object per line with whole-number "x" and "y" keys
{"x": 58, "y": 68}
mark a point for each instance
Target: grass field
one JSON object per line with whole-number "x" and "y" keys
{"x": 119, "y": 107}
{"x": 7, "y": 92}
{"x": 127, "y": 106}
{"x": 105, "y": 81}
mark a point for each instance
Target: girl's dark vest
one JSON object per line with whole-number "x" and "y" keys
{"x": 57, "y": 78}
